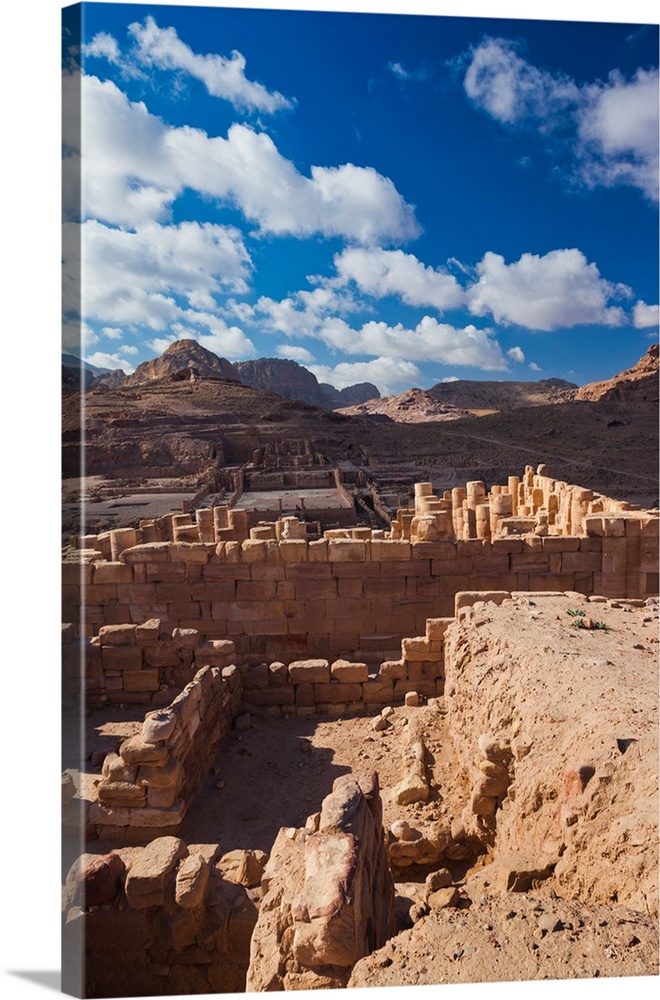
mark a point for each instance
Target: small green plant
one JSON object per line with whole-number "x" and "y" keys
{"x": 576, "y": 613}
{"x": 601, "y": 625}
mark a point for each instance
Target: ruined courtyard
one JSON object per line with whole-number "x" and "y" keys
{"x": 365, "y": 757}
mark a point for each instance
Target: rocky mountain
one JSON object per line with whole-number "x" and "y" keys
{"x": 638, "y": 383}
{"x": 492, "y": 397}
{"x": 290, "y": 380}
{"x": 77, "y": 373}
{"x": 284, "y": 377}
{"x": 351, "y": 395}
{"x": 410, "y": 407}
{"x": 184, "y": 361}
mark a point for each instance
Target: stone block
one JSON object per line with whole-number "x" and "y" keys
{"x": 141, "y": 680}
{"x": 349, "y": 673}
{"x": 293, "y": 551}
{"x": 112, "y": 572}
{"x": 121, "y": 657}
{"x": 253, "y": 551}
{"x": 117, "y": 635}
{"x": 467, "y": 598}
{"x": 266, "y": 697}
{"x": 392, "y": 670}
{"x": 416, "y": 648}
{"x": 122, "y": 794}
{"x": 135, "y": 750}
{"x": 192, "y": 879}
{"x": 304, "y": 696}
{"x": 378, "y": 691}
{"x": 254, "y": 590}
{"x": 436, "y": 628}
{"x": 146, "y": 878}
{"x": 390, "y": 550}
{"x": 191, "y": 553}
{"x": 147, "y": 632}
{"x": 165, "y": 572}
{"x": 158, "y": 726}
{"x": 347, "y": 550}
{"x": 336, "y": 693}
{"x": 162, "y": 654}
{"x": 309, "y": 672}
{"x": 149, "y": 552}
{"x": 581, "y": 562}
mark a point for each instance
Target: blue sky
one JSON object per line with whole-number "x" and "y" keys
{"x": 391, "y": 198}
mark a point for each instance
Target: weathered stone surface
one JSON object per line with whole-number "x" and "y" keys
{"x": 93, "y": 880}
{"x": 135, "y": 750}
{"x": 145, "y": 882}
{"x": 158, "y": 726}
{"x": 309, "y": 672}
{"x": 412, "y": 788}
{"x": 191, "y": 881}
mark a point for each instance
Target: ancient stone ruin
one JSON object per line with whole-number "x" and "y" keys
{"x": 479, "y": 657}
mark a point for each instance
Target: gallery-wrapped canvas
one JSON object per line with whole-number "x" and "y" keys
{"x": 360, "y": 500}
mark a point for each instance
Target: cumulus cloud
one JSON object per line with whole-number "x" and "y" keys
{"x": 158, "y": 277}
{"x": 223, "y": 77}
{"x": 560, "y": 289}
{"x": 610, "y": 127}
{"x": 225, "y": 341}
{"x": 428, "y": 341}
{"x": 299, "y": 354}
{"x": 390, "y": 375}
{"x": 516, "y": 354}
{"x": 102, "y": 360}
{"x": 534, "y": 367}
{"x": 133, "y": 277}
{"x": 379, "y": 272}
{"x": 645, "y": 316}
{"x": 103, "y": 46}
{"x": 136, "y": 167}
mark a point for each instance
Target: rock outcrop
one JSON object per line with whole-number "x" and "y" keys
{"x": 410, "y": 407}
{"x": 639, "y": 383}
{"x": 329, "y": 895}
{"x": 476, "y": 395}
{"x": 185, "y": 360}
{"x": 290, "y": 380}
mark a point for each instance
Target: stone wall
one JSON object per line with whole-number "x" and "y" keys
{"x": 147, "y": 786}
{"x": 163, "y": 919}
{"x": 357, "y": 592}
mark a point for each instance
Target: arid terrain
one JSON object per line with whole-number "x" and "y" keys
{"x": 270, "y": 799}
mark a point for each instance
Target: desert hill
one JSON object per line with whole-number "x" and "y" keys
{"x": 476, "y": 395}
{"x": 410, "y": 407}
{"x": 639, "y": 383}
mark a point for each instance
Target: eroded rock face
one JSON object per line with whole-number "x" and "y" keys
{"x": 329, "y": 895}
{"x": 557, "y": 730}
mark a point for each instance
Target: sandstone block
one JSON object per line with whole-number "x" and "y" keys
{"x": 378, "y": 691}
{"x": 112, "y": 572}
{"x": 121, "y": 657}
{"x": 158, "y": 726}
{"x": 145, "y": 881}
{"x": 309, "y": 671}
{"x": 293, "y": 551}
{"x": 417, "y": 648}
{"x": 162, "y": 654}
{"x": 148, "y": 632}
{"x": 141, "y": 680}
{"x": 253, "y": 551}
{"x": 136, "y": 751}
{"x": 115, "y": 768}
{"x": 467, "y": 598}
{"x": 185, "y": 638}
{"x": 93, "y": 880}
{"x": 117, "y": 635}
{"x": 349, "y": 673}
{"x": 191, "y": 881}
{"x": 336, "y": 693}
{"x": 442, "y": 898}
{"x": 149, "y": 552}
{"x": 413, "y": 788}
{"x": 168, "y": 777}
{"x": 121, "y": 794}
{"x": 347, "y": 550}
{"x": 191, "y": 553}
{"x": 392, "y": 670}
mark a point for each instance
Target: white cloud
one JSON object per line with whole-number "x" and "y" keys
{"x": 509, "y": 88}
{"x": 113, "y": 361}
{"x": 76, "y": 335}
{"x": 159, "y": 277}
{"x": 645, "y": 316}
{"x": 103, "y": 46}
{"x": 535, "y": 367}
{"x": 516, "y": 354}
{"x": 379, "y": 272}
{"x": 133, "y": 277}
{"x": 428, "y": 341}
{"x": 223, "y": 77}
{"x": 129, "y": 349}
{"x": 299, "y": 354}
{"x": 560, "y": 289}
{"x": 611, "y": 128}
{"x": 619, "y": 129}
{"x": 450, "y": 378}
{"x": 136, "y": 167}
{"x": 390, "y": 375}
